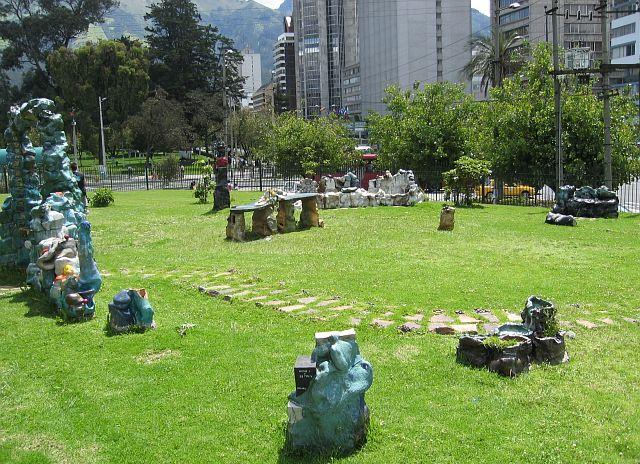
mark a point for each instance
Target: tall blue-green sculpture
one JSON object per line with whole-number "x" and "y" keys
{"x": 43, "y": 226}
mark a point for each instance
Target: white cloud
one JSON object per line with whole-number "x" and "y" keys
{"x": 482, "y": 5}
{"x": 271, "y": 3}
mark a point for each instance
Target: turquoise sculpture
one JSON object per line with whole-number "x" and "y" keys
{"x": 331, "y": 416}
{"x": 43, "y": 225}
{"x": 130, "y": 310}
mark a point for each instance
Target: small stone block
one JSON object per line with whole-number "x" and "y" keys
{"x": 274, "y": 303}
{"x": 441, "y": 329}
{"x": 490, "y": 317}
{"x": 441, "y": 319}
{"x": 381, "y": 323}
{"x": 465, "y": 328}
{"x": 415, "y": 318}
{"x": 258, "y": 298}
{"x": 490, "y": 328}
{"x": 289, "y": 309}
{"x": 341, "y": 308}
{"x": 322, "y": 304}
{"x": 587, "y": 324}
{"x": 631, "y": 320}
{"x": 348, "y": 335}
{"x": 355, "y": 321}
{"x": 277, "y": 292}
{"x": 409, "y": 327}
{"x": 222, "y": 274}
{"x": 308, "y": 300}
{"x": 608, "y": 321}
{"x": 514, "y": 317}
{"x": 464, "y": 319}
{"x": 238, "y": 295}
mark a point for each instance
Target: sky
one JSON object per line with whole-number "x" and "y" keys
{"x": 482, "y": 5}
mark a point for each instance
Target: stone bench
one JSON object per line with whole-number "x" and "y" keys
{"x": 286, "y": 221}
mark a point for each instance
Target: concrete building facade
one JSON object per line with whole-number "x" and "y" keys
{"x": 407, "y": 41}
{"x": 625, "y": 46}
{"x": 252, "y": 73}
{"x": 284, "y": 57}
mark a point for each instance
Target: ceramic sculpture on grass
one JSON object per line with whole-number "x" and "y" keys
{"x": 43, "y": 224}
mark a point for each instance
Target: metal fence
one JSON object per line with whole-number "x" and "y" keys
{"x": 515, "y": 189}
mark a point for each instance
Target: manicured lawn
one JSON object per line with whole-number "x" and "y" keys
{"x": 70, "y": 393}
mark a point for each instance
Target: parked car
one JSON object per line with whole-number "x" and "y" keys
{"x": 508, "y": 190}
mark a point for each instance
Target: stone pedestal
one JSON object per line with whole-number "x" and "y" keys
{"x": 309, "y": 216}
{"x": 447, "y": 218}
{"x": 236, "y": 228}
{"x": 262, "y": 223}
{"x": 286, "y": 217}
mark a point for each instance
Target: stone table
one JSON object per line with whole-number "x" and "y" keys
{"x": 236, "y": 226}
{"x": 309, "y": 216}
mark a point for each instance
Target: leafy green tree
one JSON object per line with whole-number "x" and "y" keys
{"x": 305, "y": 146}
{"x": 188, "y": 56}
{"x": 251, "y": 129}
{"x": 467, "y": 174}
{"x": 159, "y": 126}
{"x": 31, "y": 29}
{"x": 204, "y": 112}
{"x": 425, "y": 129}
{"x": 522, "y": 118}
{"x": 115, "y": 69}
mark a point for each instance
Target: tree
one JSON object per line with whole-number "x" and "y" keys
{"x": 306, "y": 146}
{"x": 510, "y": 58}
{"x": 466, "y": 175}
{"x": 425, "y": 129}
{"x": 34, "y": 28}
{"x": 204, "y": 112}
{"x": 251, "y": 129}
{"x": 115, "y": 69}
{"x": 522, "y": 119}
{"x": 187, "y": 56}
{"x": 159, "y": 126}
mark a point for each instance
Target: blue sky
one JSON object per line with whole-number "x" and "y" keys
{"x": 482, "y": 5}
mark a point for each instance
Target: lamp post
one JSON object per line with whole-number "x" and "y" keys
{"x": 103, "y": 152}
{"x": 75, "y": 139}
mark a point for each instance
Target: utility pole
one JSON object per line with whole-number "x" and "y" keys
{"x": 103, "y": 152}
{"x": 557, "y": 97}
{"x": 606, "y": 112}
{"x": 224, "y": 97}
{"x": 75, "y": 137}
{"x": 496, "y": 44}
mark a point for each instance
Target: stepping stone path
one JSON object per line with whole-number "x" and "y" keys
{"x": 409, "y": 327}
{"x": 323, "y": 304}
{"x": 342, "y": 308}
{"x": 292, "y": 308}
{"x": 441, "y": 329}
{"x": 465, "y": 328}
{"x": 355, "y": 321}
{"x": 271, "y": 303}
{"x": 441, "y": 319}
{"x": 608, "y": 321}
{"x": 587, "y": 324}
{"x": 416, "y": 318}
{"x": 490, "y": 328}
{"x": 381, "y": 323}
{"x": 464, "y": 319}
{"x": 258, "y": 298}
{"x": 490, "y": 317}
{"x": 308, "y": 300}
{"x": 514, "y": 317}
{"x": 631, "y": 321}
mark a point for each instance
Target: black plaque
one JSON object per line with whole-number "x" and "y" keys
{"x": 304, "y": 372}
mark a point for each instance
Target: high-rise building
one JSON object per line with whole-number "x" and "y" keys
{"x": 581, "y": 37}
{"x": 323, "y": 47}
{"x": 284, "y": 57}
{"x": 252, "y": 73}
{"x": 402, "y": 42}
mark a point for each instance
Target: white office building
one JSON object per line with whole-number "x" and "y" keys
{"x": 252, "y": 73}
{"x": 625, "y": 46}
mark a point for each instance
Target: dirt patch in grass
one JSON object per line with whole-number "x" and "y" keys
{"x": 152, "y": 357}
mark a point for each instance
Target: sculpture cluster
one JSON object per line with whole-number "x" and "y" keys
{"x": 130, "y": 310}
{"x": 330, "y": 415}
{"x": 584, "y": 202}
{"x": 50, "y": 238}
{"x": 512, "y": 348}
{"x": 400, "y": 189}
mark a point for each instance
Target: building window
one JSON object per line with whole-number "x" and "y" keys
{"x": 623, "y": 30}
{"x": 515, "y": 16}
{"x": 622, "y": 51}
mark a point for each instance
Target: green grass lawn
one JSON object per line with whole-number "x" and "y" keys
{"x": 72, "y": 394}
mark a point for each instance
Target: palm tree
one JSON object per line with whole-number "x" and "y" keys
{"x": 510, "y": 59}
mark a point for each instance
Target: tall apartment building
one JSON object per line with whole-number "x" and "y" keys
{"x": 407, "y": 41}
{"x": 252, "y": 72}
{"x": 578, "y": 37}
{"x": 284, "y": 57}
{"x": 625, "y": 44}
{"x": 323, "y": 47}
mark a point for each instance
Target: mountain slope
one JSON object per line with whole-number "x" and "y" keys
{"x": 480, "y": 23}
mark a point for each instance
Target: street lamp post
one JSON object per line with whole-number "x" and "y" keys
{"x": 75, "y": 138}
{"x": 103, "y": 151}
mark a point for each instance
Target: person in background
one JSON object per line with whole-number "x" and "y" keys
{"x": 81, "y": 183}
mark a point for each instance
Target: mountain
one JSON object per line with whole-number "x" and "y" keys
{"x": 480, "y": 23}
{"x": 248, "y": 23}
{"x": 286, "y": 8}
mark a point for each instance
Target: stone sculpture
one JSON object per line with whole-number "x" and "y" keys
{"x": 511, "y": 349}
{"x": 561, "y": 220}
{"x": 586, "y": 202}
{"x": 50, "y": 238}
{"x": 388, "y": 190}
{"x": 130, "y": 310}
{"x": 329, "y": 415}
{"x": 447, "y": 218}
{"x": 221, "y": 195}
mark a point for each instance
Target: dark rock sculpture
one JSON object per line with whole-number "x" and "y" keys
{"x": 130, "y": 310}
{"x": 586, "y": 202}
{"x": 560, "y": 220}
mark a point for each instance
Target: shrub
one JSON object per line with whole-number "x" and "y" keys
{"x": 169, "y": 168}
{"x": 498, "y": 343}
{"x": 205, "y": 184}
{"x": 102, "y": 198}
{"x": 467, "y": 174}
